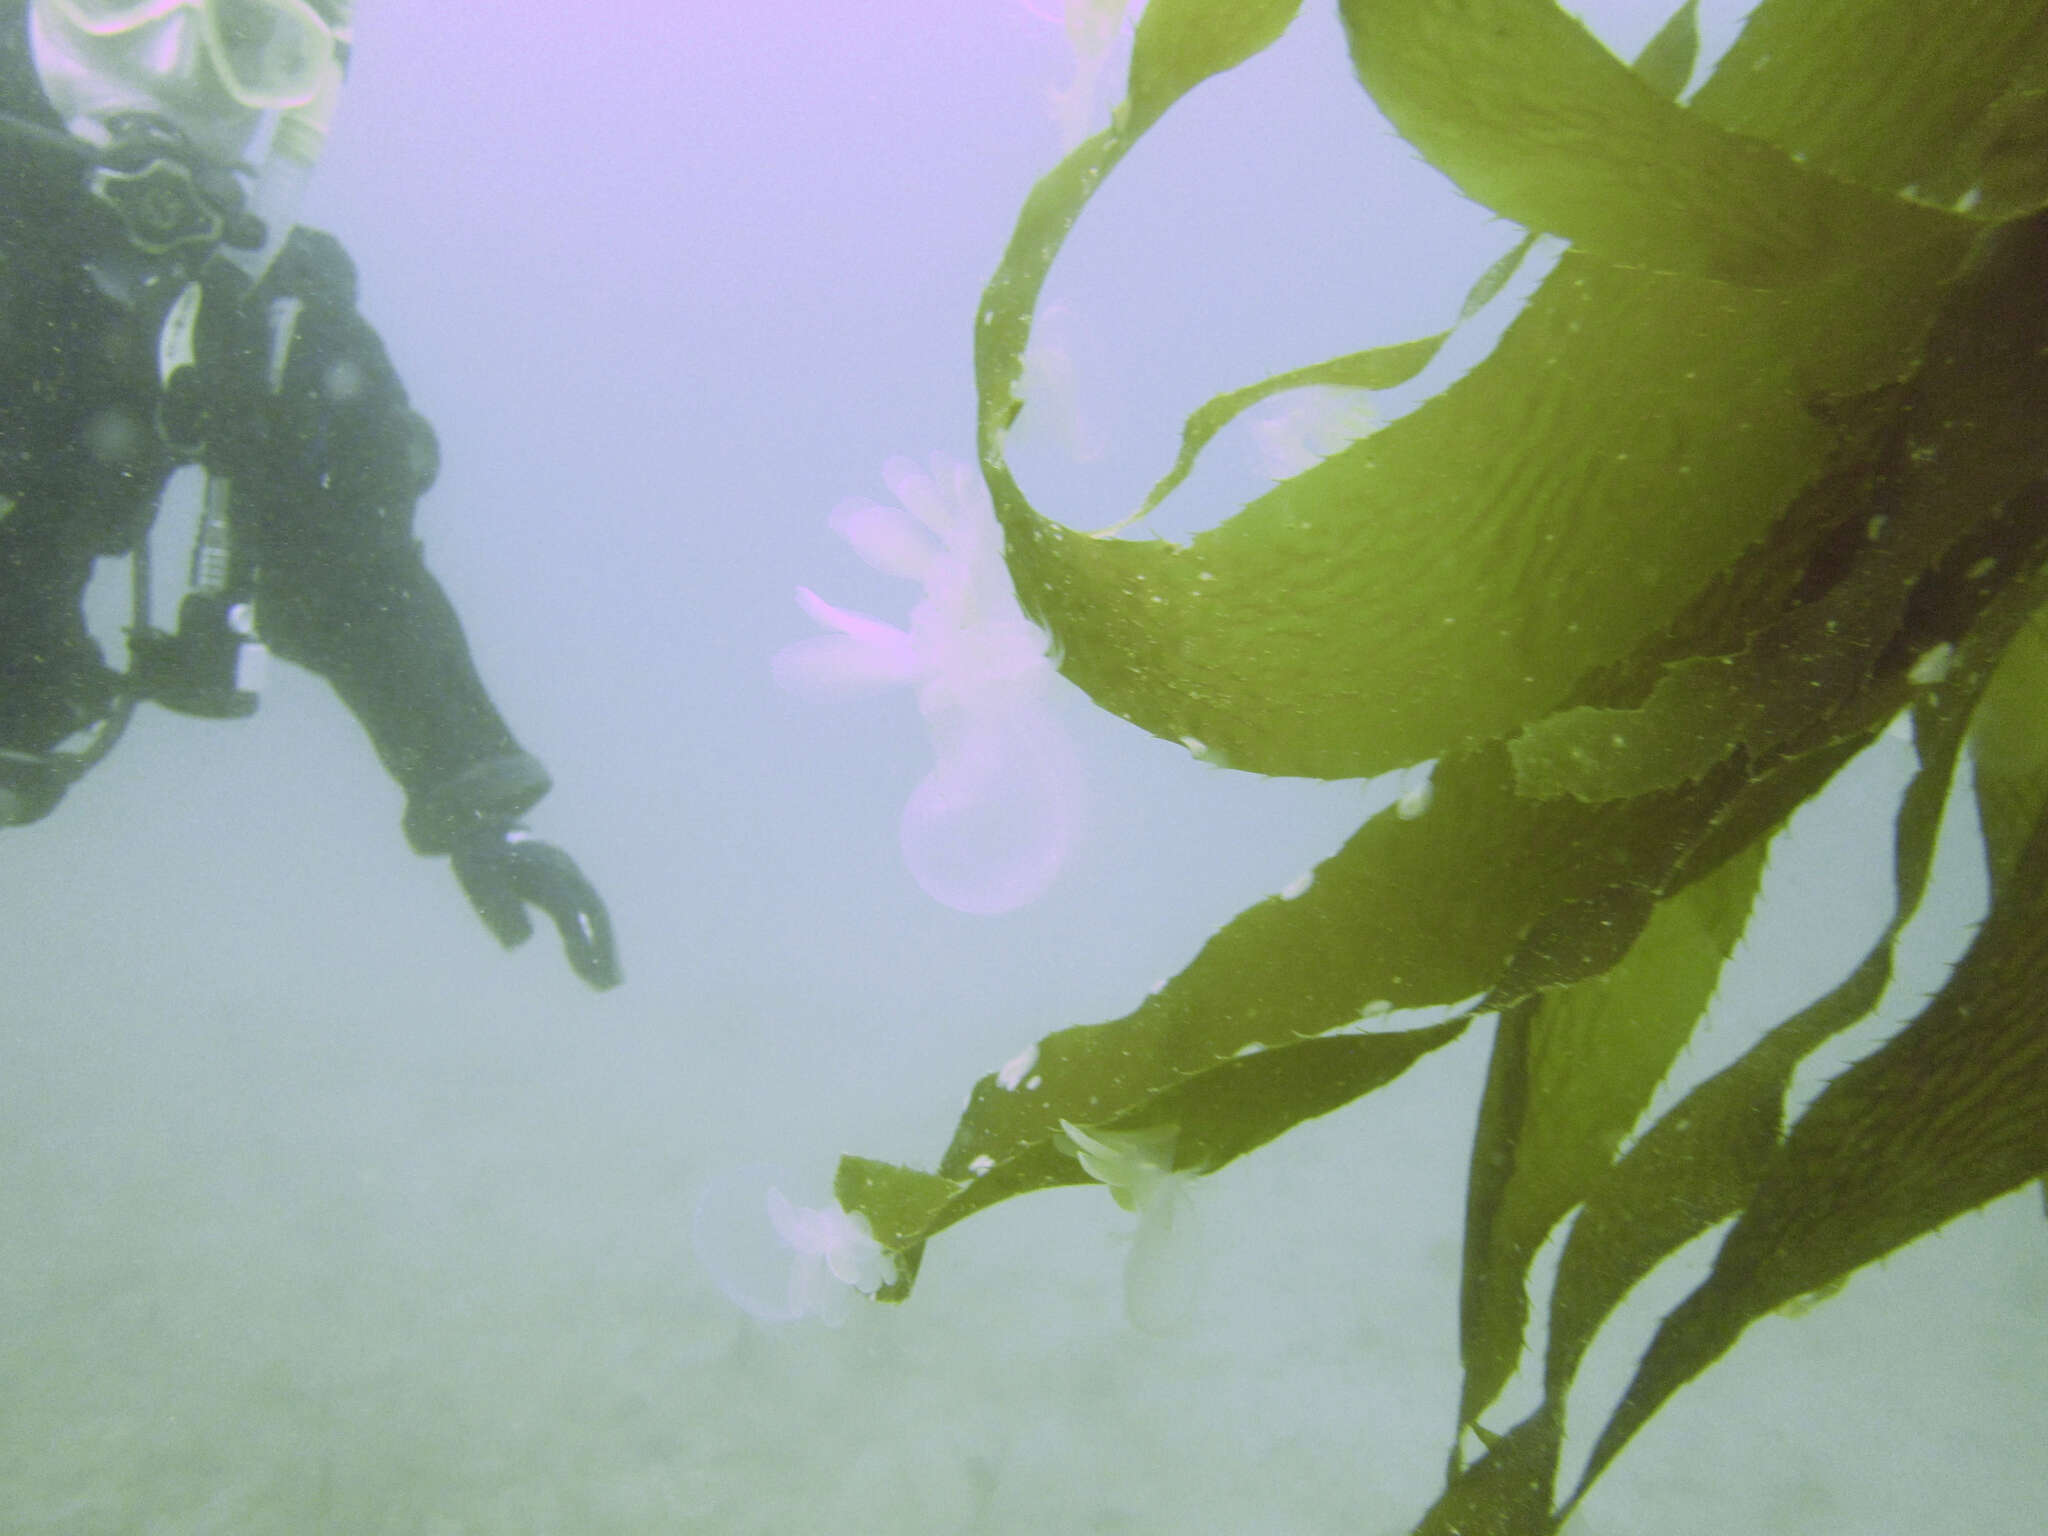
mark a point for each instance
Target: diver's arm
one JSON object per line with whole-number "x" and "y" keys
{"x": 323, "y": 505}
{"x": 327, "y": 501}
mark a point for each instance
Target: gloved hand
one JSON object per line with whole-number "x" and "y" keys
{"x": 502, "y": 868}
{"x": 31, "y": 784}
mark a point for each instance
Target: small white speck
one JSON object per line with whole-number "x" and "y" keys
{"x": 342, "y": 381}
{"x": 1016, "y": 1067}
{"x": 1298, "y": 886}
{"x": 1249, "y": 1048}
{"x": 1933, "y": 665}
{"x": 114, "y": 437}
{"x": 1416, "y": 802}
{"x": 1033, "y": 1083}
{"x": 981, "y": 1165}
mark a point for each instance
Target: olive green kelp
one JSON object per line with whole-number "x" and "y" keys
{"x": 1759, "y": 467}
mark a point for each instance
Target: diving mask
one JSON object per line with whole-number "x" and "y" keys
{"x": 269, "y": 55}
{"x": 214, "y": 69}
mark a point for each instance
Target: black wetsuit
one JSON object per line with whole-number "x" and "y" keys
{"x": 302, "y": 413}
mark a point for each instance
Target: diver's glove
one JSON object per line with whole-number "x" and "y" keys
{"x": 504, "y": 867}
{"x": 31, "y": 784}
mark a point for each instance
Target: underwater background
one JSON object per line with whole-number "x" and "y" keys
{"x": 320, "y": 1213}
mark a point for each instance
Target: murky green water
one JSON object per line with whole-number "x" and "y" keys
{"x": 320, "y": 1214}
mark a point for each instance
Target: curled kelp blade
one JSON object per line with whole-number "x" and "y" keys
{"x": 1542, "y": 124}
{"x": 1639, "y": 425}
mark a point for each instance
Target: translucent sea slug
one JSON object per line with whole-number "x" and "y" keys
{"x": 1305, "y": 426}
{"x": 1098, "y": 32}
{"x": 1159, "y": 1275}
{"x": 1050, "y": 389}
{"x": 782, "y": 1261}
{"x": 988, "y": 829}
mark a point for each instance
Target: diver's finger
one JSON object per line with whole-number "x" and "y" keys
{"x": 592, "y": 953}
{"x": 549, "y": 879}
{"x": 493, "y": 894}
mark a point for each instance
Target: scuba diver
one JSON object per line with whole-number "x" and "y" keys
{"x": 159, "y": 309}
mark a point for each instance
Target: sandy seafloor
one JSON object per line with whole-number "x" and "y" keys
{"x": 320, "y": 1214}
